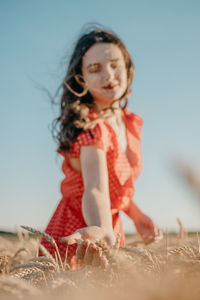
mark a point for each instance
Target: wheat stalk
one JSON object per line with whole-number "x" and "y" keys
{"x": 31, "y": 265}
{"x": 18, "y": 251}
{"x": 117, "y": 241}
{"x": 49, "y": 256}
{"x": 182, "y": 232}
{"x": 48, "y": 238}
{"x": 187, "y": 250}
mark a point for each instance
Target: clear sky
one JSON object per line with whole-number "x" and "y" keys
{"x": 36, "y": 37}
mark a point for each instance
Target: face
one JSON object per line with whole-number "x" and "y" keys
{"x": 104, "y": 72}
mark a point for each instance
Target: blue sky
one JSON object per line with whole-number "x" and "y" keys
{"x": 36, "y": 39}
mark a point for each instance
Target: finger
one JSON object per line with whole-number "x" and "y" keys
{"x": 89, "y": 254}
{"x": 81, "y": 249}
{"x": 147, "y": 235}
{"x": 70, "y": 239}
{"x": 104, "y": 262}
{"x": 157, "y": 230}
{"x": 159, "y": 235}
{"x": 154, "y": 237}
{"x": 149, "y": 240}
{"x": 97, "y": 256}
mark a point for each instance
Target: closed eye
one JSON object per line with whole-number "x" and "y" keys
{"x": 94, "y": 68}
{"x": 114, "y": 65}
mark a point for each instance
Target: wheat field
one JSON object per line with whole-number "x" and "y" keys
{"x": 169, "y": 269}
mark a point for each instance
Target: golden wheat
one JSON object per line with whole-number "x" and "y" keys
{"x": 158, "y": 271}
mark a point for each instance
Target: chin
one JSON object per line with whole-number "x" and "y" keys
{"x": 106, "y": 99}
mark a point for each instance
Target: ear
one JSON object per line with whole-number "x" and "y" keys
{"x": 80, "y": 79}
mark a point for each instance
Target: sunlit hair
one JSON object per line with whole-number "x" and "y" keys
{"x": 76, "y": 100}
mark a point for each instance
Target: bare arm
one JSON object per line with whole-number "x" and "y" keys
{"x": 133, "y": 211}
{"x": 96, "y": 201}
{"x": 144, "y": 225}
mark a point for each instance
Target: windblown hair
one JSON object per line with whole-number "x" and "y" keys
{"x": 76, "y": 101}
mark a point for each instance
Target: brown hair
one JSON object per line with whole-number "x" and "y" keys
{"x": 75, "y": 100}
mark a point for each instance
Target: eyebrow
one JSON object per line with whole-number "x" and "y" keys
{"x": 96, "y": 64}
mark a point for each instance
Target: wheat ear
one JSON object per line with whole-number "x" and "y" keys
{"x": 48, "y": 238}
{"x": 49, "y": 256}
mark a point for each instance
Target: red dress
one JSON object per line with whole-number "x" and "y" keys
{"x": 122, "y": 173}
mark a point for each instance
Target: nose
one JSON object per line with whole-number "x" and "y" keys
{"x": 108, "y": 73}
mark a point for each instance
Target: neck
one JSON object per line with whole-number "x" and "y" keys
{"x": 100, "y": 106}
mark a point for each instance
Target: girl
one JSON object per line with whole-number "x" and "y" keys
{"x": 99, "y": 140}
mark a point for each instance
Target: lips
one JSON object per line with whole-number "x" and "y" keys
{"x": 110, "y": 86}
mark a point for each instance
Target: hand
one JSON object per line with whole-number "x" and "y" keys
{"x": 147, "y": 229}
{"x": 91, "y": 233}
{"x": 86, "y": 249}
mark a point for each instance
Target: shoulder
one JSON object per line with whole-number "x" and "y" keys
{"x": 133, "y": 117}
{"x": 97, "y": 137}
{"x": 134, "y": 122}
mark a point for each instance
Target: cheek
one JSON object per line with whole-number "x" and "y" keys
{"x": 122, "y": 76}
{"x": 121, "y": 73}
{"x": 92, "y": 81}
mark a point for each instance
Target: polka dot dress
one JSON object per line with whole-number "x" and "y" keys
{"x": 122, "y": 173}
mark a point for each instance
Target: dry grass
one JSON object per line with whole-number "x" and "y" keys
{"x": 169, "y": 269}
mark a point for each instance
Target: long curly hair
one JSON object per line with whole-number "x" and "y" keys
{"x": 75, "y": 100}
